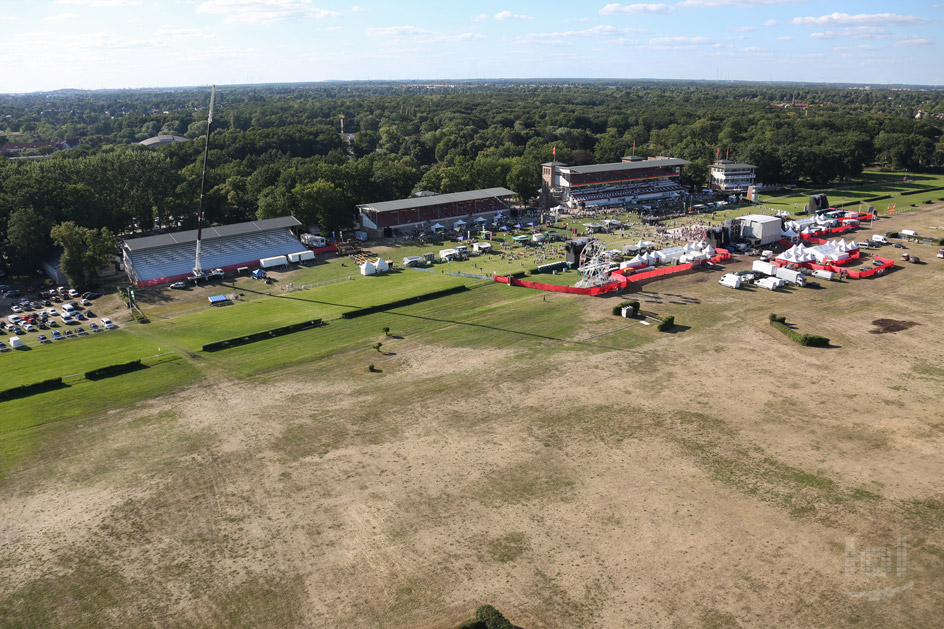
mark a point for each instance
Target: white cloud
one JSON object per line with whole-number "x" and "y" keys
{"x": 508, "y": 15}
{"x": 596, "y": 31}
{"x": 62, "y": 16}
{"x": 357, "y": 9}
{"x": 742, "y": 29}
{"x": 914, "y": 41}
{"x": 844, "y": 19}
{"x": 635, "y": 9}
{"x": 169, "y": 33}
{"x": 731, "y": 3}
{"x": 100, "y": 3}
{"x": 398, "y": 31}
{"x": 683, "y": 43}
{"x": 786, "y": 38}
{"x": 770, "y": 23}
{"x": 754, "y": 51}
{"x": 867, "y": 32}
{"x": 481, "y": 16}
{"x": 825, "y": 35}
{"x": 263, "y": 11}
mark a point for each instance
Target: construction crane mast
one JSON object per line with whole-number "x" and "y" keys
{"x": 197, "y": 265}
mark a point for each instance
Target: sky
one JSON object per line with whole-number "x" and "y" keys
{"x": 93, "y": 44}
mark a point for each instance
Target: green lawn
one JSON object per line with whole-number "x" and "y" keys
{"x": 871, "y": 185}
{"x": 62, "y": 358}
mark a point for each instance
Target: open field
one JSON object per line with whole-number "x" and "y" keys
{"x": 902, "y": 193}
{"x": 572, "y": 468}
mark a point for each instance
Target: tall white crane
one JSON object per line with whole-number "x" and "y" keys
{"x": 197, "y": 266}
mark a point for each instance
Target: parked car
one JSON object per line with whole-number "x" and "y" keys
{"x": 42, "y": 338}
{"x": 4, "y": 348}
{"x": 91, "y": 295}
{"x": 30, "y": 327}
{"x": 73, "y": 293}
{"x": 898, "y": 245}
{"x": 52, "y": 312}
{"x": 53, "y": 323}
{"x": 107, "y": 324}
{"x": 69, "y": 334}
{"x": 56, "y": 336}
{"x": 16, "y": 308}
{"x": 85, "y": 302}
{"x": 80, "y": 331}
{"x": 79, "y": 316}
{"x": 179, "y": 285}
{"x": 94, "y": 327}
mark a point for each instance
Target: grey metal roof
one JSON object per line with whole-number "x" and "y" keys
{"x": 732, "y": 166}
{"x": 161, "y": 140}
{"x": 176, "y": 238}
{"x": 439, "y": 199}
{"x": 603, "y": 168}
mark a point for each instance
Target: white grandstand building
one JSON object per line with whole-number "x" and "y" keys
{"x": 632, "y": 180}
{"x": 166, "y": 258}
{"x": 730, "y": 176}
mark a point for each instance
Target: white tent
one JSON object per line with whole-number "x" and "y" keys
{"x": 368, "y": 268}
{"x": 480, "y": 220}
{"x": 459, "y": 222}
{"x": 437, "y": 226}
{"x": 381, "y": 265}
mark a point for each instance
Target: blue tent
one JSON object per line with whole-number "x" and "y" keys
{"x": 258, "y": 273}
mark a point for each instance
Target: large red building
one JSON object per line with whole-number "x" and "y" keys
{"x": 631, "y": 180}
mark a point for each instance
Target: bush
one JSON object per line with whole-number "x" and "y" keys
{"x": 892, "y": 234}
{"x": 807, "y": 340}
{"x": 618, "y": 308}
{"x": 940, "y": 242}
{"x": 371, "y": 368}
{"x": 666, "y": 323}
{"x": 377, "y": 346}
{"x": 25, "y": 390}
{"x": 929, "y": 202}
{"x": 113, "y": 370}
{"x": 386, "y": 331}
{"x": 492, "y": 618}
{"x": 258, "y": 336}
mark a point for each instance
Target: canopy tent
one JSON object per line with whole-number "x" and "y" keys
{"x": 368, "y": 268}
{"x": 480, "y": 220}
{"x": 460, "y": 222}
{"x": 258, "y": 273}
{"x": 381, "y": 265}
{"x": 437, "y": 227}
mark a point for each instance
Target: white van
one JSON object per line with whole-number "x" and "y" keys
{"x": 823, "y": 274}
{"x": 731, "y": 280}
{"x": 15, "y": 342}
{"x": 879, "y": 239}
{"x": 910, "y": 233}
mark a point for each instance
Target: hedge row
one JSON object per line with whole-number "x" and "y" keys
{"x": 808, "y": 340}
{"x": 259, "y": 336}
{"x": 618, "y": 308}
{"x": 113, "y": 370}
{"x": 25, "y": 390}
{"x": 360, "y": 312}
{"x": 560, "y": 265}
{"x": 666, "y": 323}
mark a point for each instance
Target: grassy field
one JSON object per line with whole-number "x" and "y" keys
{"x": 511, "y": 447}
{"x": 903, "y": 193}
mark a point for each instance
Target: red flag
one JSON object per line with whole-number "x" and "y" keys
{"x": 634, "y": 145}
{"x": 554, "y": 151}
{"x": 718, "y": 153}
{"x": 726, "y": 151}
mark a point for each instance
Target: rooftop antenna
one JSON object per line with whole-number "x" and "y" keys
{"x": 197, "y": 266}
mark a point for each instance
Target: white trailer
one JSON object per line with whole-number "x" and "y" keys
{"x": 482, "y": 247}
{"x": 448, "y": 254}
{"x": 767, "y": 268}
{"x": 314, "y": 241}
{"x": 301, "y": 256}
{"x": 15, "y": 342}
{"x": 792, "y": 277}
{"x": 268, "y": 263}
{"x": 731, "y": 280}
{"x": 823, "y": 274}
{"x": 770, "y": 283}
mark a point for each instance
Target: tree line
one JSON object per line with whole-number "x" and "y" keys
{"x": 277, "y": 150}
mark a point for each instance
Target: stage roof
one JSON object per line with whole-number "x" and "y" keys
{"x": 439, "y": 199}
{"x": 604, "y": 168}
{"x": 236, "y": 229}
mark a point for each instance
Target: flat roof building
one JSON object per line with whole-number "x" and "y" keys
{"x": 381, "y": 219}
{"x": 731, "y": 176}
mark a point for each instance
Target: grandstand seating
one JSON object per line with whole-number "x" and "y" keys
{"x": 169, "y": 262}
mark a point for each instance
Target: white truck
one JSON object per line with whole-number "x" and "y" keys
{"x": 792, "y": 277}
{"x": 909, "y": 233}
{"x": 880, "y": 239}
{"x": 823, "y": 274}
{"x": 767, "y": 268}
{"x": 770, "y": 283}
{"x": 268, "y": 263}
{"x": 731, "y": 280}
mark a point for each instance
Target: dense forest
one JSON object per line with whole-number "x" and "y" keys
{"x": 277, "y": 150}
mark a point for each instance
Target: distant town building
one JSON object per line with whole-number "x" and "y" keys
{"x": 730, "y": 176}
{"x": 631, "y": 180}
{"x": 15, "y": 148}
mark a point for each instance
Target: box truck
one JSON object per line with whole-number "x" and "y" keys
{"x": 793, "y": 277}
{"x": 766, "y": 268}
